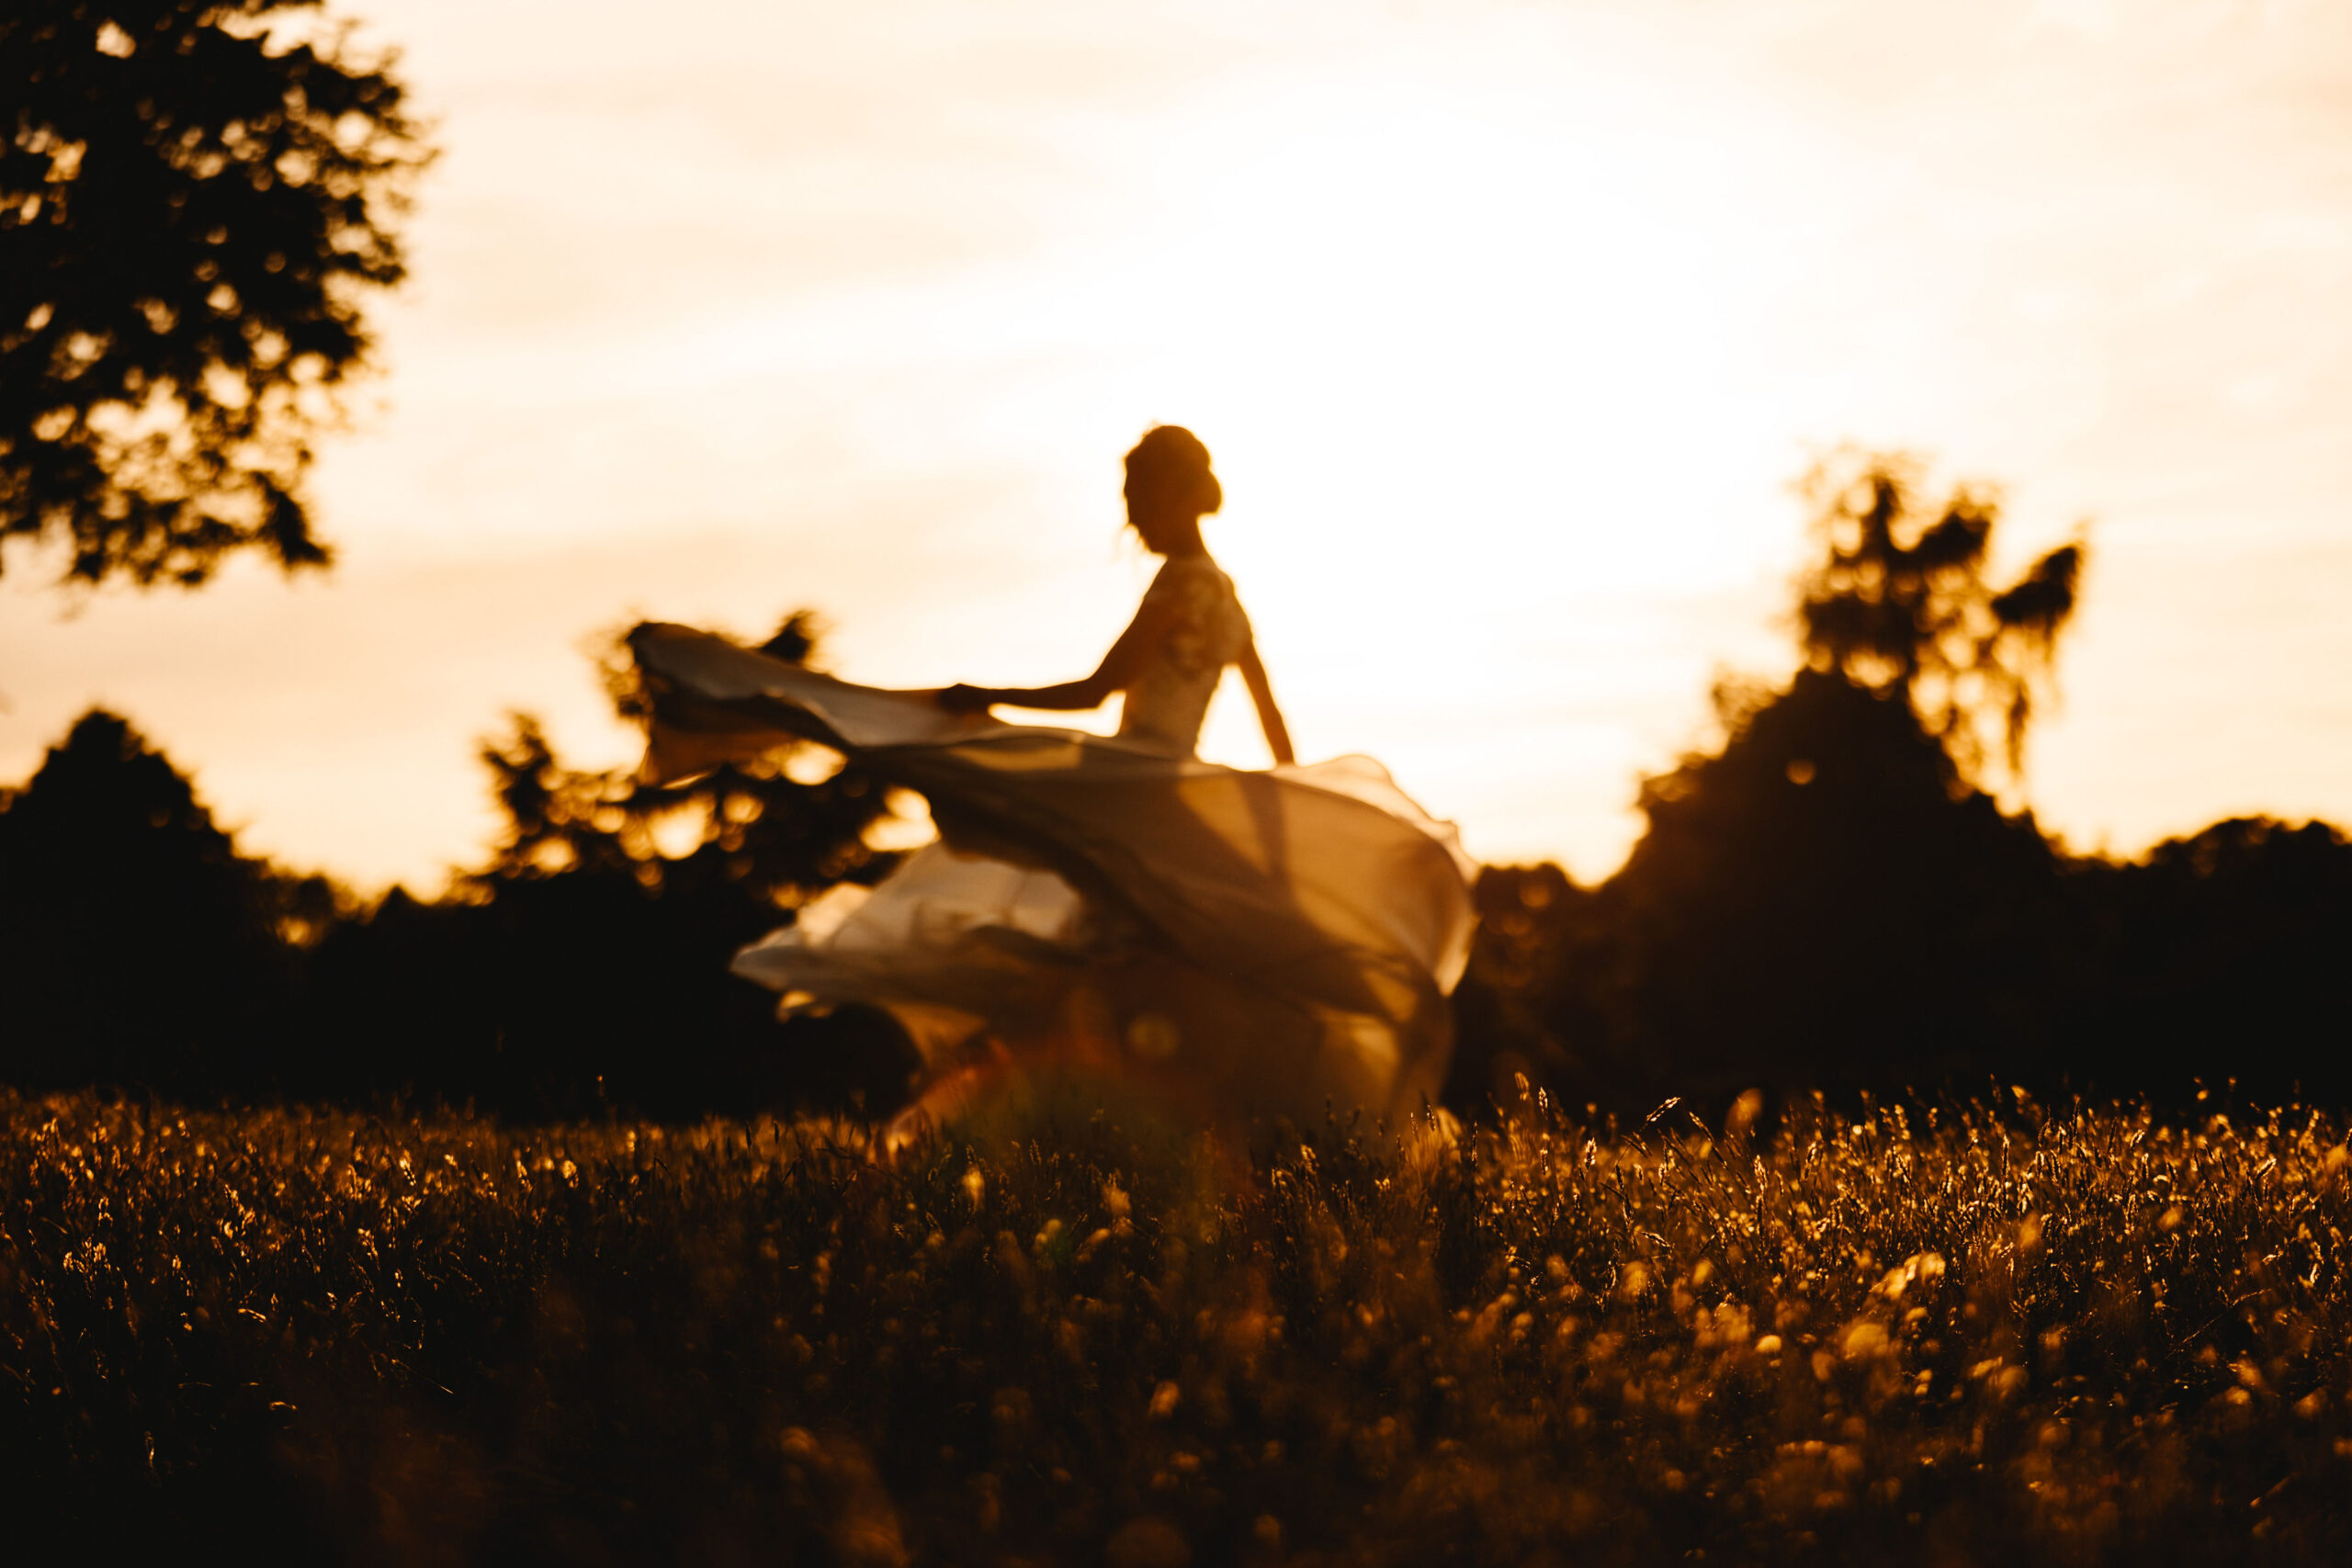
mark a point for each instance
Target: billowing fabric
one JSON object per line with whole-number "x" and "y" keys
{"x": 1274, "y": 941}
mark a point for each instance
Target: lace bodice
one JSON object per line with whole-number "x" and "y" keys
{"x": 1166, "y": 704}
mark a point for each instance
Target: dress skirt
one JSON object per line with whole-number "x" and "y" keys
{"x": 1277, "y": 941}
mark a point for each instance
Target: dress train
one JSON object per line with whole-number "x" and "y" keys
{"x": 1249, "y": 940}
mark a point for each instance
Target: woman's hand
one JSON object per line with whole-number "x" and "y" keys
{"x": 961, "y": 698}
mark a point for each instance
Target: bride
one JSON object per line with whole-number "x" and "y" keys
{"x": 1237, "y": 942}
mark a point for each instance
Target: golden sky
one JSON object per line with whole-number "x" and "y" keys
{"x": 1509, "y": 324}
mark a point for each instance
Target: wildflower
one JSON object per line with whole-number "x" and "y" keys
{"x": 1865, "y": 1339}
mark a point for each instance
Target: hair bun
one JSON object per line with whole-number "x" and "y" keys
{"x": 1173, "y": 454}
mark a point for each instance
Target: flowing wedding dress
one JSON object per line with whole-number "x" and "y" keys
{"x": 1267, "y": 941}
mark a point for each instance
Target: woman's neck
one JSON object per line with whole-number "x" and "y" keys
{"x": 1187, "y": 542}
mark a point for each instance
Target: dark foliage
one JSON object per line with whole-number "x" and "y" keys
{"x": 1899, "y": 602}
{"x": 2223, "y": 955}
{"x": 136, "y": 945}
{"x": 190, "y": 213}
{"x": 1956, "y": 1336}
{"x": 1832, "y": 901}
{"x": 1823, "y": 902}
{"x": 585, "y": 966}
{"x": 583, "y": 969}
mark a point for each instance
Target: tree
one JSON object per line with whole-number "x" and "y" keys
{"x": 1823, "y": 903}
{"x": 137, "y": 946}
{"x": 755, "y": 825}
{"x": 1830, "y": 899}
{"x": 1901, "y": 602}
{"x": 2219, "y": 955}
{"x": 191, "y": 209}
{"x": 583, "y": 965}
{"x": 587, "y": 960}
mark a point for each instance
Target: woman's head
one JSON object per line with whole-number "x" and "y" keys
{"x": 1170, "y": 486}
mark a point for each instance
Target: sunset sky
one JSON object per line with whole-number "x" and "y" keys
{"x": 1510, "y": 325}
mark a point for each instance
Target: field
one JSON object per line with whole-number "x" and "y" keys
{"x": 1978, "y": 1332}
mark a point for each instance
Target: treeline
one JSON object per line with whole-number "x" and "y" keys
{"x": 1831, "y": 899}
{"x": 1823, "y": 904}
{"x": 582, "y": 968}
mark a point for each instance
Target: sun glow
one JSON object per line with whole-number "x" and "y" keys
{"x": 1509, "y": 325}
{"x": 1448, "y": 355}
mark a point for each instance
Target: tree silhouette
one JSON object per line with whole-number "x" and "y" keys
{"x": 1829, "y": 899}
{"x": 1899, "y": 600}
{"x": 586, "y": 962}
{"x": 137, "y": 946}
{"x": 583, "y": 965}
{"x": 779, "y": 838}
{"x": 190, "y": 211}
{"x": 2218, "y": 956}
{"x": 1824, "y": 901}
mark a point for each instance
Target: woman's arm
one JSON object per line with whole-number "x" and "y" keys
{"x": 1269, "y": 717}
{"x": 1126, "y": 661}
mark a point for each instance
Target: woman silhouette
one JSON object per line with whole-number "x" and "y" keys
{"x": 1188, "y": 628}
{"x": 1238, "y": 941}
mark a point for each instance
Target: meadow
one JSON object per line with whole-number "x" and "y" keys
{"x": 1980, "y": 1332}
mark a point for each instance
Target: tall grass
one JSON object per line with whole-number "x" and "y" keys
{"x": 1980, "y": 1333}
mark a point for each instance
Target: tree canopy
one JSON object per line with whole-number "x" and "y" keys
{"x": 586, "y": 962}
{"x": 778, "y": 838}
{"x": 137, "y": 945}
{"x": 192, "y": 205}
{"x": 1899, "y": 600}
{"x": 1830, "y": 898}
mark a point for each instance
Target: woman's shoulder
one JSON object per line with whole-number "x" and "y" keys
{"x": 1193, "y": 577}
{"x": 1196, "y": 591}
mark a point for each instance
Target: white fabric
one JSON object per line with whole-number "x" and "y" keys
{"x": 1259, "y": 940}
